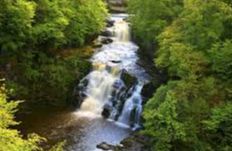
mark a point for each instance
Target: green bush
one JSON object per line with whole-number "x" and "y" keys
{"x": 41, "y": 78}
{"x": 11, "y": 139}
{"x": 191, "y": 111}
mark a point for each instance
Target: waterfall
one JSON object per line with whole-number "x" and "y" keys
{"x": 99, "y": 90}
{"x": 132, "y": 106}
{"x": 106, "y": 92}
{"x": 122, "y": 31}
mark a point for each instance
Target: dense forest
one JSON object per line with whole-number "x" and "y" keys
{"x": 44, "y": 52}
{"x": 37, "y": 38}
{"x": 34, "y": 35}
{"x": 193, "y": 44}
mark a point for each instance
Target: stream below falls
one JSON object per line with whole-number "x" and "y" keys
{"x": 111, "y": 106}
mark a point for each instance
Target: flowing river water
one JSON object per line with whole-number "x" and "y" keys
{"x": 104, "y": 92}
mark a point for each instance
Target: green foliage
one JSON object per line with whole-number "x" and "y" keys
{"x": 16, "y": 17}
{"x": 32, "y": 35}
{"x": 199, "y": 26}
{"x": 89, "y": 20}
{"x": 61, "y": 23}
{"x": 219, "y": 127}
{"x": 7, "y": 109}
{"x": 41, "y": 78}
{"x": 31, "y": 32}
{"x": 58, "y": 147}
{"x": 173, "y": 115}
{"x": 150, "y": 17}
{"x": 221, "y": 59}
{"x": 49, "y": 24}
{"x": 11, "y": 139}
{"x": 193, "y": 110}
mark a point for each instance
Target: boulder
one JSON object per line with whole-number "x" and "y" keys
{"x": 106, "y": 110}
{"x": 106, "y": 41}
{"x": 106, "y": 33}
{"x": 128, "y": 79}
{"x": 148, "y": 90}
{"x": 136, "y": 142}
{"x": 97, "y": 43}
{"x": 110, "y": 23}
{"x": 105, "y": 146}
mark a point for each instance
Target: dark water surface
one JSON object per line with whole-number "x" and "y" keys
{"x": 82, "y": 131}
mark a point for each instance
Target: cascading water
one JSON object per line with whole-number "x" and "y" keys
{"x": 104, "y": 88}
{"x": 112, "y": 89}
{"x": 99, "y": 89}
{"x": 122, "y": 31}
{"x": 132, "y": 106}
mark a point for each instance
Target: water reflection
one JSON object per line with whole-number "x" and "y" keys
{"x": 81, "y": 131}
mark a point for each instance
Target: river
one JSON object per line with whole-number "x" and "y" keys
{"x": 104, "y": 92}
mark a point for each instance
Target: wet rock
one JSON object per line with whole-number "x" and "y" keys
{"x": 79, "y": 93}
{"x": 97, "y": 45}
{"x": 106, "y": 33}
{"x": 82, "y": 95}
{"x": 116, "y": 61}
{"x": 106, "y": 110}
{"x": 136, "y": 142}
{"x": 105, "y": 146}
{"x": 128, "y": 79}
{"x": 110, "y": 23}
{"x": 148, "y": 90}
{"x": 101, "y": 40}
{"x": 106, "y": 113}
{"x": 106, "y": 40}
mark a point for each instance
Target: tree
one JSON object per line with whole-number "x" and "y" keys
{"x": 38, "y": 31}
{"x": 11, "y": 139}
{"x": 219, "y": 128}
{"x": 194, "y": 47}
{"x": 88, "y": 18}
{"x": 16, "y": 17}
{"x": 150, "y": 17}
